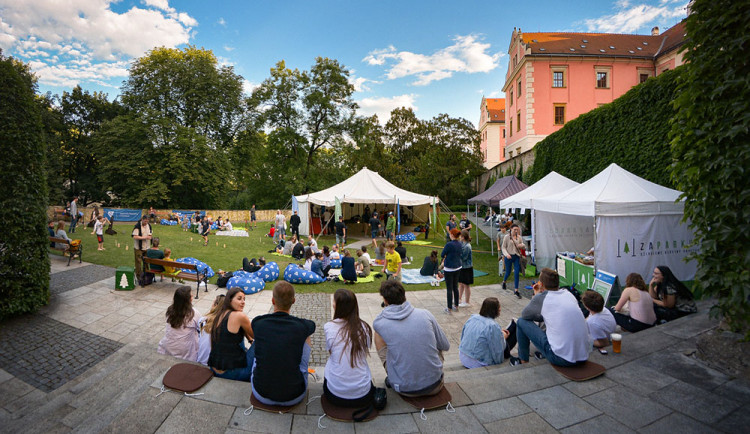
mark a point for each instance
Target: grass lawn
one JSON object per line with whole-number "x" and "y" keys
{"x": 229, "y": 258}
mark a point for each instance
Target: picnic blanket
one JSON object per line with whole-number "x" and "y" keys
{"x": 418, "y": 242}
{"x": 233, "y": 233}
{"x": 412, "y": 276}
{"x": 337, "y": 272}
{"x": 283, "y": 256}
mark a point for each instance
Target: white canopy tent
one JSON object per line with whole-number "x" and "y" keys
{"x": 364, "y": 188}
{"x": 633, "y": 225}
{"x": 551, "y": 184}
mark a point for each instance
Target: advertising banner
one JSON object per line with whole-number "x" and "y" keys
{"x": 560, "y": 233}
{"x": 123, "y": 215}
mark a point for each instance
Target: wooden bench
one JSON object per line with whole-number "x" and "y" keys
{"x": 193, "y": 277}
{"x": 67, "y": 249}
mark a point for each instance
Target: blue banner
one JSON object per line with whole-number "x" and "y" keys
{"x": 295, "y": 204}
{"x": 123, "y": 215}
{"x": 398, "y": 216}
{"x": 189, "y": 213}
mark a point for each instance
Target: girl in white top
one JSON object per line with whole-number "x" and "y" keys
{"x": 641, "y": 305}
{"x": 309, "y": 256}
{"x": 181, "y": 331}
{"x": 347, "y": 381}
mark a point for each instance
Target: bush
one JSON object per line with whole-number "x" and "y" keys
{"x": 710, "y": 142}
{"x": 632, "y": 131}
{"x": 24, "y": 261}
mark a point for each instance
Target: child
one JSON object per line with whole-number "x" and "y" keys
{"x": 271, "y": 232}
{"x": 99, "y": 230}
{"x": 600, "y": 321}
{"x": 392, "y": 268}
{"x": 170, "y": 271}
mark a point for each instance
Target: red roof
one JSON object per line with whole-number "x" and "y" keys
{"x": 496, "y": 109}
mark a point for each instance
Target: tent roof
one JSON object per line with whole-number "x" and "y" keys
{"x": 502, "y": 188}
{"x": 550, "y": 184}
{"x": 366, "y": 187}
{"x": 613, "y": 192}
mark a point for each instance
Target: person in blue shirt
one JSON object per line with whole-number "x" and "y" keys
{"x": 451, "y": 255}
{"x": 317, "y": 264}
{"x": 483, "y": 342}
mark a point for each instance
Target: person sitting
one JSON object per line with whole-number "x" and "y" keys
{"x": 154, "y": 253}
{"x": 51, "y": 231}
{"x": 363, "y": 264}
{"x": 409, "y": 342}
{"x": 430, "y": 266}
{"x": 309, "y": 256}
{"x": 335, "y": 254}
{"x": 298, "y": 250}
{"x": 170, "y": 271}
{"x": 228, "y": 357}
{"x": 181, "y": 332}
{"x": 566, "y": 341}
{"x": 348, "y": 270}
{"x": 224, "y": 277}
{"x": 252, "y": 265}
{"x": 380, "y": 253}
{"x": 600, "y": 321}
{"x": 347, "y": 381}
{"x": 483, "y": 342}
{"x": 316, "y": 266}
{"x": 671, "y": 297}
{"x": 312, "y": 243}
{"x": 366, "y": 255}
{"x": 60, "y": 233}
{"x": 326, "y": 260}
{"x": 640, "y": 305}
{"x": 392, "y": 266}
{"x": 286, "y": 246}
{"x": 401, "y": 250}
{"x": 204, "y": 331}
{"x": 271, "y": 232}
{"x": 282, "y": 351}
{"x": 227, "y": 225}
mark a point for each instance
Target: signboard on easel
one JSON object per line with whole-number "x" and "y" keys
{"x": 603, "y": 284}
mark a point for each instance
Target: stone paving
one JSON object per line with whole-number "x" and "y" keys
{"x": 315, "y": 307}
{"x": 79, "y": 276}
{"x": 655, "y": 385}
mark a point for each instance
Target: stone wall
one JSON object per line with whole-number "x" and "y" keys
{"x": 526, "y": 160}
{"x": 237, "y": 216}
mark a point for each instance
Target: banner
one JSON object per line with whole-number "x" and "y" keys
{"x": 295, "y": 204}
{"x": 560, "y": 233}
{"x": 181, "y": 212}
{"x": 337, "y": 208}
{"x": 123, "y": 215}
{"x": 434, "y": 217}
{"x": 627, "y": 245}
{"x": 398, "y": 216}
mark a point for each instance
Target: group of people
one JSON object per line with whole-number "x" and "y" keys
{"x": 457, "y": 268}
{"x": 377, "y": 228}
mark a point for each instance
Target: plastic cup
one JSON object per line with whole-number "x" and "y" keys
{"x": 616, "y": 342}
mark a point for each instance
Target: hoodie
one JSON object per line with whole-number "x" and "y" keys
{"x": 414, "y": 340}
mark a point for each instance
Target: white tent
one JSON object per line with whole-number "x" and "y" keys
{"x": 633, "y": 225}
{"x": 551, "y": 184}
{"x": 364, "y": 188}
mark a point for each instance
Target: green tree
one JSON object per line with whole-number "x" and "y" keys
{"x": 710, "y": 136}
{"x": 24, "y": 261}
{"x": 53, "y": 132}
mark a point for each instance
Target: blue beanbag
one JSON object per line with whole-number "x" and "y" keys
{"x": 406, "y": 237}
{"x": 336, "y": 263}
{"x": 248, "y": 285}
{"x": 167, "y": 222}
{"x": 296, "y": 274}
{"x": 202, "y": 266}
{"x": 269, "y": 272}
{"x": 242, "y": 273}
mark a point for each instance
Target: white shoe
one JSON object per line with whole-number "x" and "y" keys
{"x": 463, "y": 305}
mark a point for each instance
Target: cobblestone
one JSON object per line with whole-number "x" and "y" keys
{"x": 76, "y": 277}
{"x": 315, "y": 307}
{"x": 46, "y": 353}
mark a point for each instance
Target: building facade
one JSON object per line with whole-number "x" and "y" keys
{"x": 492, "y": 131}
{"x": 555, "y": 77}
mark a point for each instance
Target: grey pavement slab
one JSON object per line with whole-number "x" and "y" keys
{"x": 500, "y": 409}
{"x": 737, "y": 389}
{"x": 525, "y": 423}
{"x": 73, "y": 278}
{"x": 639, "y": 378}
{"x": 146, "y": 414}
{"x": 559, "y": 407}
{"x": 689, "y": 326}
{"x": 4, "y": 375}
{"x": 628, "y": 408}
{"x": 598, "y": 424}
{"x": 222, "y": 391}
{"x": 440, "y": 420}
{"x": 194, "y": 416}
{"x": 677, "y": 423}
{"x": 392, "y": 424}
{"x": 511, "y": 383}
{"x": 736, "y": 422}
{"x": 309, "y": 423}
{"x": 458, "y": 396}
{"x": 685, "y": 368}
{"x": 695, "y": 402}
{"x": 586, "y": 388}
{"x": 261, "y": 421}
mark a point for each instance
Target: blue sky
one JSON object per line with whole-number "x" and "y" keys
{"x": 433, "y": 56}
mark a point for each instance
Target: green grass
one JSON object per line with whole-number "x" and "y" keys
{"x": 184, "y": 244}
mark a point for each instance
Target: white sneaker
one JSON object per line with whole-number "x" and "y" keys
{"x": 447, "y": 311}
{"x": 463, "y": 305}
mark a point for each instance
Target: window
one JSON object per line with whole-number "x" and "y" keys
{"x": 559, "y": 114}
{"x": 518, "y": 121}
{"x": 601, "y": 80}
{"x": 503, "y": 132}
{"x": 515, "y": 60}
{"x": 519, "y": 88}
{"x": 511, "y": 97}
{"x": 557, "y": 79}
{"x": 642, "y": 78}
{"x": 511, "y": 128}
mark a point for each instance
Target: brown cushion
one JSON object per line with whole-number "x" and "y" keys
{"x": 271, "y": 408}
{"x": 343, "y": 414}
{"x": 440, "y": 399}
{"x": 187, "y": 377}
{"x": 582, "y": 372}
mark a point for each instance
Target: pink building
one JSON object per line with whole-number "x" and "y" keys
{"x": 492, "y": 131}
{"x": 555, "y": 77}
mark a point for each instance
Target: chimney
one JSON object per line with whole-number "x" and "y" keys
{"x": 655, "y": 31}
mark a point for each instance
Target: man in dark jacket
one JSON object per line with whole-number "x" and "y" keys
{"x": 294, "y": 222}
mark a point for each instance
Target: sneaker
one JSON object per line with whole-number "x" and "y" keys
{"x": 505, "y": 286}
{"x": 463, "y": 305}
{"x": 447, "y": 311}
{"x": 517, "y": 294}
{"x": 514, "y": 361}
{"x": 538, "y": 355}
{"x": 455, "y": 308}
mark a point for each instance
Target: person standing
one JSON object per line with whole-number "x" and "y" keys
{"x": 466, "y": 275}
{"x": 451, "y": 255}
{"x": 390, "y": 227}
{"x": 374, "y": 228}
{"x": 73, "y": 215}
{"x": 341, "y": 232}
{"x": 205, "y": 230}
{"x": 465, "y": 223}
{"x": 512, "y": 243}
{"x": 99, "y": 230}
{"x": 327, "y": 221}
{"x": 280, "y": 222}
{"x": 253, "y": 220}
{"x": 450, "y": 226}
{"x": 294, "y": 222}
{"x": 141, "y": 242}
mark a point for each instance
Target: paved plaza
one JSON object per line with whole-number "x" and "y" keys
{"x": 87, "y": 363}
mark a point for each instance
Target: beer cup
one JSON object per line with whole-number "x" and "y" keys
{"x": 616, "y": 342}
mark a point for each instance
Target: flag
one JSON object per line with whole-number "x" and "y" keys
{"x": 398, "y": 216}
{"x": 295, "y": 204}
{"x": 338, "y": 208}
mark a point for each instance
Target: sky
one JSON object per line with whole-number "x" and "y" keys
{"x": 433, "y": 56}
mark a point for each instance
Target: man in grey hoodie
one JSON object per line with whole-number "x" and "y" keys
{"x": 410, "y": 344}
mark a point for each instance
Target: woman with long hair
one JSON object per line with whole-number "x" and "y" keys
{"x": 640, "y": 305}
{"x": 451, "y": 255}
{"x": 181, "y": 332}
{"x": 309, "y": 256}
{"x": 347, "y": 380}
{"x": 483, "y": 342}
{"x": 228, "y": 358}
{"x": 671, "y": 297}
{"x": 466, "y": 275}
{"x": 60, "y": 233}
{"x": 204, "y": 330}
{"x": 512, "y": 243}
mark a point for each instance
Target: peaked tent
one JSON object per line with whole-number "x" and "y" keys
{"x": 632, "y": 223}
{"x": 366, "y": 188}
{"x": 501, "y": 189}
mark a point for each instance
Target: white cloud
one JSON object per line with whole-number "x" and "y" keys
{"x": 91, "y": 42}
{"x": 222, "y": 22}
{"x": 228, "y": 48}
{"x": 468, "y": 54}
{"x": 383, "y": 106}
{"x": 359, "y": 83}
{"x": 630, "y": 18}
{"x": 248, "y": 86}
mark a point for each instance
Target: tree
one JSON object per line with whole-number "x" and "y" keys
{"x": 710, "y": 135}
{"x": 24, "y": 261}
{"x": 53, "y": 132}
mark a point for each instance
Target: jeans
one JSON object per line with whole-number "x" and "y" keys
{"x": 629, "y": 323}
{"x": 303, "y": 364}
{"x": 451, "y": 283}
{"x": 514, "y": 260}
{"x": 73, "y": 222}
{"x": 527, "y": 331}
{"x": 240, "y": 374}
